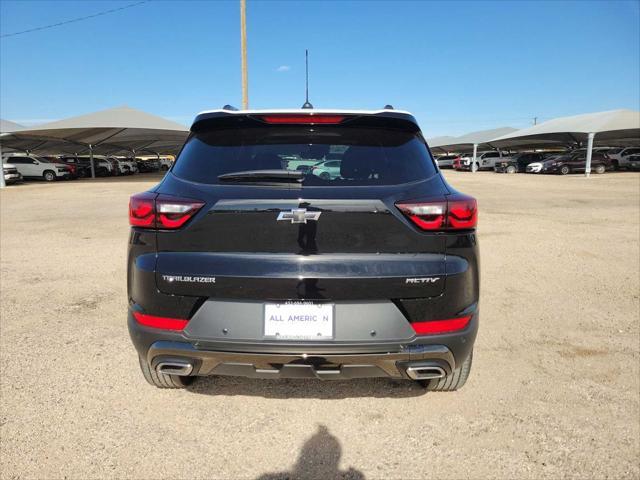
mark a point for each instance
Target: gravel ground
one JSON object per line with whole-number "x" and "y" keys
{"x": 554, "y": 389}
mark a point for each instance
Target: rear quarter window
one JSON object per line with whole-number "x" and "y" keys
{"x": 365, "y": 155}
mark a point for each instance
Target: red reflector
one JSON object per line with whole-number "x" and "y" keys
{"x": 160, "y": 322}
{"x": 440, "y": 326}
{"x": 303, "y": 119}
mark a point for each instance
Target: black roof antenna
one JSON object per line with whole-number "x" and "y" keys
{"x": 307, "y": 105}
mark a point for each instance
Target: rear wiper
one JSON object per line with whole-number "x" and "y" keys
{"x": 263, "y": 176}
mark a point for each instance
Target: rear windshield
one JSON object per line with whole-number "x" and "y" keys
{"x": 358, "y": 155}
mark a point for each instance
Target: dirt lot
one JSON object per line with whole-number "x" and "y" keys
{"x": 554, "y": 389}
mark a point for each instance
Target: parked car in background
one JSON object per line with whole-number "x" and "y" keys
{"x": 103, "y": 168}
{"x": 147, "y": 165}
{"x": 78, "y": 169}
{"x": 126, "y": 166}
{"x": 165, "y": 163}
{"x": 620, "y": 156}
{"x": 484, "y": 161}
{"x": 31, "y": 166}
{"x": 73, "y": 169}
{"x": 518, "y": 162}
{"x": 575, "y": 162}
{"x": 329, "y": 169}
{"x": 11, "y": 174}
{"x": 446, "y": 161}
{"x": 633, "y": 161}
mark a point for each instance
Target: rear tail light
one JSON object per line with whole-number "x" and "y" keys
{"x": 162, "y": 323}
{"x": 462, "y": 214}
{"x": 142, "y": 210}
{"x": 150, "y": 210}
{"x": 457, "y": 213}
{"x": 435, "y": 327}
{"x": 303, "y": 119}
{"x": 428, "y": 216}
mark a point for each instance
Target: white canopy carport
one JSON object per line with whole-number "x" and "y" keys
{"x": 614, "y": 126}
{"x": 468, "y": 142}
{"x": 113, "y": 130}
{"x": 7, "y": 126}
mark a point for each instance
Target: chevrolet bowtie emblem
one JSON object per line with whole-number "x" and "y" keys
{"x": 298, "y": 215}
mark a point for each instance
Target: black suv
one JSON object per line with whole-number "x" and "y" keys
{"x": 241, "y": 264}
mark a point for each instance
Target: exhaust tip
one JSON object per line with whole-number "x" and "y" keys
{"x": 425, "y": 372}
{"x": 174, "y": 368}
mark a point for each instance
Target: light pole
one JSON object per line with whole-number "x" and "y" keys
{"x": 243, "y": 47}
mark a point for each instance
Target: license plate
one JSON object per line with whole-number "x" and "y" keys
{"x": 298, "y": 321}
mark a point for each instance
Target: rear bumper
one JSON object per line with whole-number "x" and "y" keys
{"x": 12, "y": 178}
{"x": 326, "y": 360}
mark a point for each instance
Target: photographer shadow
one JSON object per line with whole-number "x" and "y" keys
{"x": 319, "y": 459}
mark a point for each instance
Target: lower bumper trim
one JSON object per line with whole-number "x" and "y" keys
{"x": 300, "y": 365}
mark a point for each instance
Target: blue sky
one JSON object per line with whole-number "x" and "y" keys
{"x": 459, "y": 66}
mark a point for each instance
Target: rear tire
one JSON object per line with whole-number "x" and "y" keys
{"x": 452, "y": 382}
{"x": 49, "y": 175}
{"x": 511, "y": 169}
{"x": 162, "y": 380}
{"x": 564, "y": 170}
{"x": 600, "y": 169}
{"x": 325, "y": 176}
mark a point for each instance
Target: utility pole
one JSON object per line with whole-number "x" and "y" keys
{"x": 535, "y": 120}
{"x": 243, "y": 47}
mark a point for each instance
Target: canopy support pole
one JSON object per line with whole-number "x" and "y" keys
{"x": 243, "y": 56}
{"x": 93, "y": 168}
{"x": 2, "y": 183}
{"x": 474, "y": 165}
{"x": 587, "y": 170}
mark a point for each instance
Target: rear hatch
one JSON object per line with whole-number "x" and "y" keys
{"x": 279, "y": 236}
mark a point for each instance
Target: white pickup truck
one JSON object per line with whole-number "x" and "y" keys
{"x": 620, "y": 156}
{"x": 484, "y": 161}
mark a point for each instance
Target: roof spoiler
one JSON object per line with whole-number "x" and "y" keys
{"x": 231, "y": 117}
